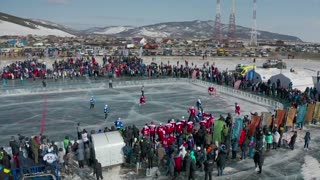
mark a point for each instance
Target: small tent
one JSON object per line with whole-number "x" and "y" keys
{"x": 108, "y": 148}
{"x": 300, "y": 80}
{"x": 261, "y": 74}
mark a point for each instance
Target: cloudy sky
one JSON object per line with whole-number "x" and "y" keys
{"x": 294, "y": 17}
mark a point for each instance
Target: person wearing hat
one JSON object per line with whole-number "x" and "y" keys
{"x": 92, "y": 102}
{"x": 269, "y": 140}
{"x": 258, "y": 159}
{"x": 106, "y": 111}
{"x": 221, "y": 159}
{"x": 237, "y": 109}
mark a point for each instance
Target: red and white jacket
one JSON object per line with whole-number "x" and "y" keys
{"x": 145, "y": 131}
{"x": 152, "y": 128}
{"x": 190, "y": 126}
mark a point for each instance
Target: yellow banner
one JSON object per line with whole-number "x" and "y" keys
{"x": 291, "y": 114}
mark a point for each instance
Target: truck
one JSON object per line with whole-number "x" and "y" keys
{"x": 274, "y": 63}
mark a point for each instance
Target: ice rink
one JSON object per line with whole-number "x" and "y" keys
{"x": 23, "y": 113}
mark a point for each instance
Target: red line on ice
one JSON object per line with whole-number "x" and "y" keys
{"x": 44, "y": 111}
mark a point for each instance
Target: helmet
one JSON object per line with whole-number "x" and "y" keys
{"x": 182, "y": 117}
{"x": 222, "y": 147}
{"x": 91, "y": 96}
{"x": 160, "y": 124}
{"x": 192, "y": 107}
{"x": 118, "y": 118}
{"x": 106, "y": 105}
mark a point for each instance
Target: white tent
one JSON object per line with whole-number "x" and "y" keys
{"x": 108, "y": 148}
{"x": 300, "y": 80}
{"x": 263, "y": 74}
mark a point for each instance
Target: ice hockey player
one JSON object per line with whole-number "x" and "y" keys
{"x": 152, "y": 128}
{"x": 173, "y": 123}
{"x": 199, "y": 116}
{"x": 142, "y": 100}
{"x": 192, "y": 112}
{"x": 179, "y": 127}
{"x": 211, "y": 90}
{"x": 183, "y": 121}
{"x": 145, "y": 131}
{"x": 199, "y": 105}
{"x": 190, "y": 125}
{"x": 142, "y": 90}
{"x": 237, "y": 109}
{"x": 210, "y": 122}
{"x": 161, "y": 132}
{"x": 119, "y": 124}
{"x": 92, "y": 102}
{"x": 169, "y": 128}
{"x": 106, "y": 111}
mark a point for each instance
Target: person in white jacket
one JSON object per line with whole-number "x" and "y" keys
{"x": 276, "y": 137}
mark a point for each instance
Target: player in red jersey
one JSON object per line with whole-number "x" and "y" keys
{"x": 190, "y": 125}
{"x": 192, "y": 116}
{"x": 237, "y": 109}
{"x": 179, "y": 127}
{"x": 142, "y": 100}
{"x": 211, "y": 90}
{"x": 145, "y": 131}
{"x": 152, "y": 128}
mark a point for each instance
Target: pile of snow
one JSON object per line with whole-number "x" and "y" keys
{"x": 311, "y": 168}
{"x": 8, "y": 28}
{"x": 146, "y": 32}
{"x": 114, "y": 30}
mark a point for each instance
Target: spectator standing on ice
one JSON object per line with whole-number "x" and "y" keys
{"x": 293, "y": 140}
{"x": 80, "y": 155}
{"x": 276, "y": 138}
{"x": 307, "y": 139}
{"x": 221, "y": 159}
{"x": 97, "y": 170}
{"x": 192, "y": 116}
{"x": 106, "y": 111}
{"x": 258, "y": 160}
{"x": 92, "y": 102}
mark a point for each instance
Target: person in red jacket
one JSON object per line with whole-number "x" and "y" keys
{"x": 237, "y": 109}
{"x": 183, "y": 121}
{"x": 152, "y": 128}
{"x": 211, "y": 90}
{"x": 169, "y": 128}
{"x": 178, "y": 162}
{"x": 210, "y": 121}
{"x": 192, "y": 116}
{"x": 172, "y": 139}
{"x": 142, "y": 100}
{"x": 203, "y": 123}
{"x": 165, "y": 142}
{"x": 161, "y": 134}
{"x": 173, "y": 123}
{"x": 145, "y": 131}
{"x": 179, "y": 127}
{"x": 190, "y": 127}
{"x": 205, "y": 114}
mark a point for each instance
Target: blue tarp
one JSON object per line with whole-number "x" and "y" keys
{"x": 302, "y": 110}
{"x": 238, "y": 124}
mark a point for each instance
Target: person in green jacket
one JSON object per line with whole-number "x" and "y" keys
{"x": 66, "y": 142}
{"x": 269, "y": 140}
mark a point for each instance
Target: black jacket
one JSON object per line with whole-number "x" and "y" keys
{"x": 221, "y": 159}
{"x": 258, "y": 158}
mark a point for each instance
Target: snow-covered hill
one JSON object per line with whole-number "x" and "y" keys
{"x": 186, "y": 29}
{"x": 12, "y": 25}
{"x": 109, "y": 30}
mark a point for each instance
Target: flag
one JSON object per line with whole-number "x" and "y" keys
{"x": 316, "y": 114}
{"x": 255, "y": 121}
{"x": 310, "y": 111}
{"x": 302, "y": 109}
{"x": 238, "y": 124}
{"x": 218, "y": 128}
{"x": 266, "y": 118}
{"x": 194, "y": 74}
{"x": 281, "y": 114}
{"x": 237, "y": 84}
{"x": 291, "y": 114}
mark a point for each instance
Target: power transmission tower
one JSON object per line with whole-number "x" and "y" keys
{"x": 254, "y": 33}
{"x": 217, "y": 24}
{"x": 232, "y": 24}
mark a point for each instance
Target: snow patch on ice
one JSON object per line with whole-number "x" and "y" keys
{"x": 8, "y": 28}
{"x": 311, "y": 168}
